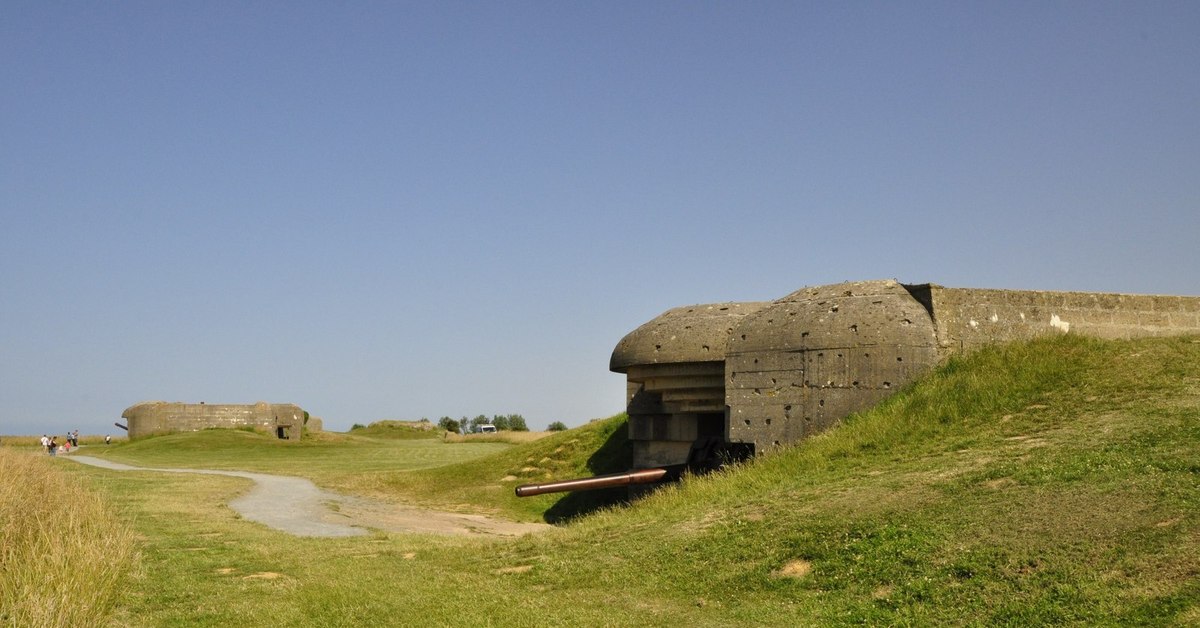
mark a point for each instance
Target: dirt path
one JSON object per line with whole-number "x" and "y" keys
{"x": 297, "y": 506}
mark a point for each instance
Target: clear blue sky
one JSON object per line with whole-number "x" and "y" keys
{"x": 395, "y": 210}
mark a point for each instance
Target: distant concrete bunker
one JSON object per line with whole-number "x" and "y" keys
{"x": 284, "y": 420}
{"x": 758, "y": 375}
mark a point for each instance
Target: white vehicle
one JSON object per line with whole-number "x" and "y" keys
{"x": 487, "y": 429}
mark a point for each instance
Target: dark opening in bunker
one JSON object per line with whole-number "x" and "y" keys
{"x": 710, "y": 425}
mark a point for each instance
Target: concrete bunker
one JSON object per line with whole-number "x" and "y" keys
{"x": 285, "y": 420}
{"x": 742, "y": 378}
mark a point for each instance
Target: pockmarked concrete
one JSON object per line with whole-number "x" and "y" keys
{"x": 299, "y": 507}
{"x": 741, "y": 379}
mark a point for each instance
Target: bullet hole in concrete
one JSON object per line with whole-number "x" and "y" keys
{"x": 899, "y": 359}
{"x": 772, "y": 381}
{"x": 687, "y": 326}
{"x": 768, "y": 421}
{"x": 854, "y": 328}
{"x": 787, "y": 412}
{"x": 820, "y": 354}
{"x": 804, "y": 334}
{"x": 854, "y": 383}
{"x": 839, "y": 355}
{"x": 833, "y": 309}
{"x": 776, "y": 443}
{"x": 747, "y": 421}
{"x": 756, "y": 360}
{"x": 887, "y": 384}
{"x": 757, "y": 391}
{"x": 705, "y": 347}
{"x": 658, "y": 347}
{"x": 906, "y": 322}
{"x": 743, "y": 336}
{"x": 770, "y": 320}
{"x": 866, "y": 355}
{"x": 821, "y": 403}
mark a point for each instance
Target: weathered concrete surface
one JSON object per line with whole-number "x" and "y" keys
{"x": 285, "y": 420}
{"x": 675, "y": 373}
{"x": 766, "y": 374}
{"x": 297, "y": 506}
{"x": 819, "y": 354}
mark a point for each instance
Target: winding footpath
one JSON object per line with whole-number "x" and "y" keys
{"x": 299, "y": 507}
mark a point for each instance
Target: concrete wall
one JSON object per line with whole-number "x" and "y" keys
{"x": 968, "y": 318}
{"x": 159, "y": 417}
{"x": 818, "y": 354}
{"x": 794, "y": 367}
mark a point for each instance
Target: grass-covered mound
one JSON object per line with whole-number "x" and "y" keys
{"x": 1057, "y": 481}
{"x": 398, "y": 429}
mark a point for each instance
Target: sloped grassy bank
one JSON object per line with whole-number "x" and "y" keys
{"x": 487, "y": 483}
{"x": 1057, "y": 481}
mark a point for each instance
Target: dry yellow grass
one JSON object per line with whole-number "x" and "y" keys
{"x": 63, "y": 552}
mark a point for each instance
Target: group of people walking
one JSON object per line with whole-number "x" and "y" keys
{"x": 50, "y": 443}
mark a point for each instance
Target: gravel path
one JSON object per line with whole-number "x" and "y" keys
{"x": 297, "y": 506}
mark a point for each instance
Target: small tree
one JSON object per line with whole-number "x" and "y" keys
{"x": 501, "y": 422}
{"x": 448, "y": 424}
{"x": 557, "y": 426}
{"x": 516, "y": 423}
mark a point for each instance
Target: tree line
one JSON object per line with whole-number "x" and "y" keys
{"x": 501, "y": 422}
{"x": 513, "y": 422}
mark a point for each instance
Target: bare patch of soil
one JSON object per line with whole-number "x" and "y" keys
{"x": 798, "y": 568}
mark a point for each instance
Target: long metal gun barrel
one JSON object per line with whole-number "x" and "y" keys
{"x": 637, "y": 476}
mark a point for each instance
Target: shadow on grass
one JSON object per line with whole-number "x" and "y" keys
{"x": 614, "y": 456}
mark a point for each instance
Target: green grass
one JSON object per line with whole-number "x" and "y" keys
{"x": 338, "y": 461}
{"x": 1056, "y": 482}
{"x": 399, "y": 429}
{"x": 486, "y": 484}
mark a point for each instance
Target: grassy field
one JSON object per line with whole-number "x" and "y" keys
{"x": 1056, "y": 482}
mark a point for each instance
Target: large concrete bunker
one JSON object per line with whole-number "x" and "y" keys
{"x": 753, "y": 376}
{"x": 284, "y": 420}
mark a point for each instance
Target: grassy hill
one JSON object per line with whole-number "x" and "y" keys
{"x": 1057, "y": 481}
{"x": 1050, "y": 482}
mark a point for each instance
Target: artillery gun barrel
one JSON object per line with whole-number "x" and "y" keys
{"x": 637, "y": 476}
